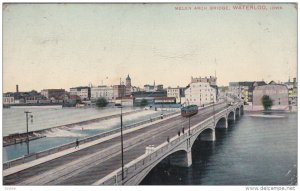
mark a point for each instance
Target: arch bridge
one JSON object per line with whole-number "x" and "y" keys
{"x": 178, "y": 149}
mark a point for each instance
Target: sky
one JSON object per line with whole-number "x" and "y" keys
{"x": 67, "y": 45}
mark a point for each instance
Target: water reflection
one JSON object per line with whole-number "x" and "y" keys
{"x": 252, "y": 151}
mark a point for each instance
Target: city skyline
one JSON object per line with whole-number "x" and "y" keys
{"x": 67, "y": 45}
{"x": 154, "y": 82}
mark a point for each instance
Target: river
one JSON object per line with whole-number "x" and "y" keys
{"x": 14, "y": 121}
{"x": 252, "y": 151}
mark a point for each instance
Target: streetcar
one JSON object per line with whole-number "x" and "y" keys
{"x": 189, "y": 110}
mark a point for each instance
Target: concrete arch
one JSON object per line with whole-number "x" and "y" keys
{"x": 196, "y": 136}
{"x": 207, "y": 134}
{"x": 222, "y": 123}
{"x": 136, "y": 180}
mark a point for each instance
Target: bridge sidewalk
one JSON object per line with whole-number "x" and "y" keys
{"x": 42, "y": 160}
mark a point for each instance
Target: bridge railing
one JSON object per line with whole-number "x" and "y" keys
{"x": 37, "y": 155}
{"x": 138, "y": 165}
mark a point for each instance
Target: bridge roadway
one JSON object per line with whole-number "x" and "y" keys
{"x": 88, "y": 165}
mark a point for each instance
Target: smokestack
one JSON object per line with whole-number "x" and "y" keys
{"x": 17, "y": 88}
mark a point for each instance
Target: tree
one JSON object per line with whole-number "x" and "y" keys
{"x": 266, "y": 102}
{"x": 101, "y": 102}
{"x": 144, "y": 102}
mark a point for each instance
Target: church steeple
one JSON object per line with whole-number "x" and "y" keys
{"x": 128, "y": 85}
{"x": 128, "y": 78}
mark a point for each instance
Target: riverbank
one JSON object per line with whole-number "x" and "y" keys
{"x": 250, "y": 108}
{"x": 33, "y": 135}
{"x": 20, "y": 138}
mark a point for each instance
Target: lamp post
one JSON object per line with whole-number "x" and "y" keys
{"x": 122, "y": 152}
{"x": 31, "y": 116}
{"x": 189, "y": 125}
{"x": 214, "y": 111}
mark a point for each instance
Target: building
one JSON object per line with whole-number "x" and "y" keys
{"x": 57, "y": 94}
{"x": 201, "y": 91}
{"x": 84, "y": 92}
{"x": 23, "y": 97}
{"x": 128, "y": 86}
{"x": 244, "y": 90}
{"x": 292, "y": 88}
{"x": 164, "y": 100}
{"x": 8, "y": 100}
{"x": 124, "y": 101}
{"x": 153, "y": 88}
{"x": 211, "y": 80}
{"x": 119, "y": 91}
{"x": 102, "y": 91}
{"x": 149, "y": 96}
{"x": 177, "y": 93}
{"x": 277, "y": 92}
{"x": 135, "y": 89}
{"x": 149, "y": 88}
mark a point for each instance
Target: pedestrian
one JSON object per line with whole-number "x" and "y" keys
{"x": 178, "y": 133}
{"x": 161, "y": 116}
{"x": 77, "y": 144}
{"x": 168, "y": 139}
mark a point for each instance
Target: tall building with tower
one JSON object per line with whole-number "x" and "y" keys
{"x": 128, "y": 86}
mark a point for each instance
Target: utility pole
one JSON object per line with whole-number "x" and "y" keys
{"x": 189, "y": 130}
{"x": 161, "y": 115}
{"x": 27, "y": 141}
{"x": 214, "y": 112}
{"x": 189, "y": 125}
{"x": 122, "y": 152}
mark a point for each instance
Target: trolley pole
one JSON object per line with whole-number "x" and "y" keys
{"x": 27, "y": 141}
{"x": 122, "y": 152}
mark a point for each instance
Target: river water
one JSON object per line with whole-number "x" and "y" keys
{"x": 253, "y": 151}
{"x": 14, "y": 122}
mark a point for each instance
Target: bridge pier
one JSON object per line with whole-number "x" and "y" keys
{"x": 226, "y": 123}
{"x": 181, "y": 159}
{"x": 213, "y": 135}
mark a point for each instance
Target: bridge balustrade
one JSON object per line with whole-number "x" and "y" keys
{"x": 145, "y": 160}
{"x": 163, "y": 149}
